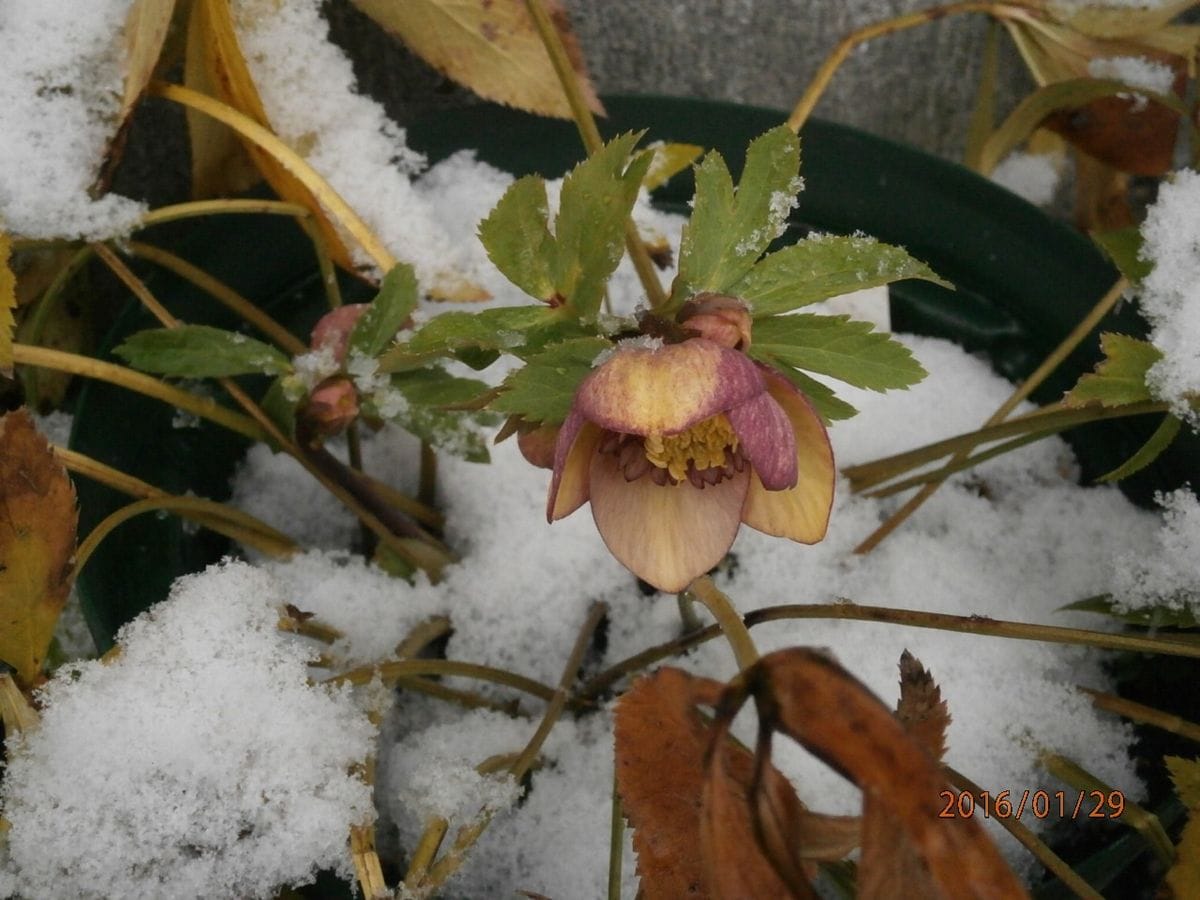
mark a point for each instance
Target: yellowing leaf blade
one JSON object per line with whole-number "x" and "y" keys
{"x": 1120, "y": 377}
{"x": 8, "y": 304}
{"x": 146, "y": 28}
{"x": 37, "y": 541}
{"x": 669, "y": 160}
{"x": 493, "y": 48}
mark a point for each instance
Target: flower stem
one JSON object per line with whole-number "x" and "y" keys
{"x": 590, "y": 135}
{"x": 390, "y": 671}
{"x": 616, "y": 844}
{"x": 196, "y": 208}
{"x": 834, "y": 60}
{"x": 727, "y": 617}
{"x": 1145, "y": 715}
{"x": 288, "y": 158}
{"x": 204, "y": 407}
{"x": 466, "y": 838}
{"x": 1030, "y": 841}
{"x": 1085, "y": 326}
{"x": 221, "y": 292}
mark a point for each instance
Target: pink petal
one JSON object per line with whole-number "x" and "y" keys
{"x": 766, "y": 436}
{"x": 667, "y": 535}
{"x": 664, "y": 390}
{"x": 800, "y": 513}
{"x": 576, "y": 444}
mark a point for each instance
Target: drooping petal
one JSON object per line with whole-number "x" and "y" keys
{"x": 576, "y": 444}
{"x": 800, "y": 513}
{"x": 666, "y": 535}
{"x": 766, "y": 436}
{"x": 664, "y": 390}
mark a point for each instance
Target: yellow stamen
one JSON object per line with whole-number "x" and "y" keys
{"x": 704, "y": 445}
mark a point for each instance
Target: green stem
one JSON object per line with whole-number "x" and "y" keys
{"x": 204, "y": 407}
{"x": 590, "y": 135}
{"x": 727, "y": 617}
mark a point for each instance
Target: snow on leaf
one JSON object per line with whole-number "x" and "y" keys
{"x": 1120, "y": 377}
{"x": 387, "y": 313}
{"x": 729, "y": 230}
{"x": 824, "y": 266}
{"x": 8, "y": 303}
{"x": 37, "y": 541}
{"x": 838, "y": 346}
{"x": 921, "y": 709}
{"x": 417, "y": 401}
{"x": 493, "y": 48}
{"x": 200, "y": 351}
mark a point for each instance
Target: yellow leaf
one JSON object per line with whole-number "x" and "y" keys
{"x": 491, "y": 46}
{"x": 1111, "y": 22}
{"x": 668, "y": 160}
{"x": 8, "y": 303}
{"x": 1184, "y": 876}
{"x": 37, "y": 542}
{"x": 1185, "y": 775}
{"x": 220, "y": 165}
{"x": 15, "y": 712}
{"x": 145, "y": 30}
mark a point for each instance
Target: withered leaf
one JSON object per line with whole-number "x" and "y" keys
{"x": 146, "y": 27}
{"x": 890, "y": 867}
{"x": 37, "y": 541}
{"x": 809, "y": 697}
{"x": 681, "y": 813}
{"x": 16, "y": 713}
{"x": 8, "y": 305}
{"x": 491, "y": 46}
{"x": 1135, "y": 135}
{"x": 921, "y": 709}
{"x": 1184, "y": 877}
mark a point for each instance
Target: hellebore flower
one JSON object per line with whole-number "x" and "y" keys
{"x": 676, "y": 445}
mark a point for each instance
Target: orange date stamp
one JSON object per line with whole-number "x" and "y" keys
{"x": 1040, "y": 804}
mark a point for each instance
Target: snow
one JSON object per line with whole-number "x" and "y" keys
{"x": 197, "y": 763}
{"x": 60, "y": 99}
{"x": 1136, "y": 71}
{"x": 1170, "y": 294}
{"x": 1168, "y": 575}
{"x": 1031, "y": 176}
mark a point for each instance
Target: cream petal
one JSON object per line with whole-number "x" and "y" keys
{"x": 800, "y": 513}
{"x": 666, "y": 389}
{"x": 667, "y": 535}
{"x": 765, "y": 434}
{"x": 576, "y": 445}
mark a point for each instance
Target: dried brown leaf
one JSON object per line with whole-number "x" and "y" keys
{"x": 37, "y": 541}
{"x": 809, "y": 697}
{"x": 8, "y": 306}
{"x": 491, "y": 46}
{"x": 16, "y": 713}
{"x": 1132, "y": 134}
{"x": 921, "y": 709}
{"x": 890, "y": 867}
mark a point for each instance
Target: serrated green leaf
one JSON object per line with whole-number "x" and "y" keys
{"x": 1148, "y": 617}
{"x": 669, "y": 159}
{"x": 838, "y": 346}
{"x": 728, "y": 231}
{"x": 824, "y": 266}
{"x": 503, "y": 328}
{"x": 1148, "y": 452}
{"x": 544, "y": 388}
{"x": 589, "y": 230}
{"x": 200, "y": 351}
{"x": 1120, "y": 377}
{"x": 1124, "y": 246}
{"x": 417, "y": 402}
{"x": 828, "y": 405}
{"x": 397, "y": 298}
{"x": 518, "y": 240}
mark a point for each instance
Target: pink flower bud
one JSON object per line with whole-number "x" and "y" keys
{"x": 333, "y": 329}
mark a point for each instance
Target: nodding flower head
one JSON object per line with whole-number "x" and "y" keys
{"x": 676, "y": 445}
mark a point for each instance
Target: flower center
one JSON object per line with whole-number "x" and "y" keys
{"x": 701, "y": 447}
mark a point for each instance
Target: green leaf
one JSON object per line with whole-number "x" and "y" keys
{"x": 1149, "y": 451}
{"x": 1149, "y": 616}
{"x": 589, "y": 231}
{"x": 828, "y": 405}
{"x": 388, "y": 312}
{"x": 728, "y": 231}
{"x": 417, "y": 402}
{"x": 544, "y": 388}
{"x": 824, "y": 266}
{"x": 517, "y": 238}
{"x": 1120, "y": 377}
{"x": 199, "y": 351}
{"x": 838, "y": 346}
{"x": 449, "y": 334}
{"x": 1124, "y": 246}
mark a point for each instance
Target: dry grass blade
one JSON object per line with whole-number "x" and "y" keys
{"x": 806, "y": 695}
{"x": 921, "y": 709}
{"x": 8, "y": 305}
{"x": 1184, "y": 876}
{"x": 37, "y": 541}
{"x": 15, "y": 712}
{"x": 492, "y": 48}
{"x": 146, "y": 28}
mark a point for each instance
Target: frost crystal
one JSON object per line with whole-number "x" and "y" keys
{"x": 198, "y": 763}
{"x": 1135, "y": 71}
{"x": 1169, "y": 575}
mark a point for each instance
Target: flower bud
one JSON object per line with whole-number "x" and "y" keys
{"x": 333, "y": 329}
{"x": 330, "y": 409}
